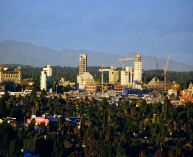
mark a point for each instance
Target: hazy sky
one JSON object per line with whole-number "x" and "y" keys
{"x": 111, "y": 26}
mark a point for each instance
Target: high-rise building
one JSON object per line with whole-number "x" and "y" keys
{"x": 48, "y": 70}
{"x": 43, "y": 80}
{"x": 137, "y": 69}
{"x": 9, "y": 75}
{"x": 113, "y": 75}
{"x": 127, "y": 76}
{"x": 82, "y": 64}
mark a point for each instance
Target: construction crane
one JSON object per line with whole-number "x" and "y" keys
{"x": 156, "y": 64}
{"x": 166, "y": 68}
{"x": 102, "y": 70}
{"x": 124, "y": 59}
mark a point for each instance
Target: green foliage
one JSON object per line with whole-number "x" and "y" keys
{"x": 130, "y": 129}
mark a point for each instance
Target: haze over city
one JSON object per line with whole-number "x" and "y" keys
{"x": 113, "y": 27}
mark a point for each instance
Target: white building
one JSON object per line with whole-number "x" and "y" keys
{"x": 82, "y": 64}
{"x": 86, "y": 77}
{"x": 138, "y": 68}
{"x": 127, "y": 76}
{"x": 48, "y": 70}
{"x": 43, "y": 80}
{"x": 113, "y": 75}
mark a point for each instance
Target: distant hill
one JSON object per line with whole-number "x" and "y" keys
{"x": 16, "y": 52}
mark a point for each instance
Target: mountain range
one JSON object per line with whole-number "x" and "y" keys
{"x": 17, "y": 52}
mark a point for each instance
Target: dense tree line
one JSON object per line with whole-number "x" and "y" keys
{"x": 128, "y": 129}
{"x": 70, "y": 73}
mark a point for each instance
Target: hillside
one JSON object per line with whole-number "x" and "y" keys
{"x": 16, "y": 52}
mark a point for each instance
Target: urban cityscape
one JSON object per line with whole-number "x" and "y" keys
{"x": 96, "y": 78}
{"x": 120, "y": 112}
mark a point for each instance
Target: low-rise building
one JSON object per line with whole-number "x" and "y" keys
{"x": 91, "y": 87}
{"x": 187, "y": 94}
{"x": 86, "y": 77}
{"x": 9, "y": 75}
{"x": 65, "y": 83}
{"x": 38, "y": 120}
{"x": 172, "y": 93}
{"x": 156, "y": 84}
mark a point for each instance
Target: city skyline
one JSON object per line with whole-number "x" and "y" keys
{"x": 112, "y": 27}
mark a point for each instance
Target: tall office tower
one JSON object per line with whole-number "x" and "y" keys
{"x": 138, "y": 68}
{"x": 127, "y": 76}
{"x": 48, "y": 70}
{"x": 113, "y": 75}
{"x": 82, "y": 64}
{"x": 43, "y": 80}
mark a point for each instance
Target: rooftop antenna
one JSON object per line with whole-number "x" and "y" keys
{"x": 166, "y": 68}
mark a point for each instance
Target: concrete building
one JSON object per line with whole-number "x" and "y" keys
{"x": 187, "y": 93}
{"x": 8, "y": 75}
{"x": 172, "y": 93}
{"x": 127, "y": 76}
{"x": 113, "y": 75}
{"x": 91, "y": 87}
{"x": 138, "y": 68}
{"x": 43, "y": 80}
{"x": 65, "y": 83}
{"x": 82, "y": 64}
{"x": 190, "y": 87}
{"x": 156, "y": 84}
{"x": 48, "y": 70}
{"x": 86, "y": 77}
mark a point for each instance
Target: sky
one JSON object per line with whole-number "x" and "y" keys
{"x": 150, "y": 27}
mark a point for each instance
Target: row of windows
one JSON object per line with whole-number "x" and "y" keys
{"x": 10, "y": 76}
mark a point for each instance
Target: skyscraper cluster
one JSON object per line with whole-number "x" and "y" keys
{"x": 130, "y": 76}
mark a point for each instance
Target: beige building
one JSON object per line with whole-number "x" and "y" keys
{"x": 83, "y": 79}
{"x": 156, "y": 84}
{"x": 82, "y": 64}
{"x": 190, "y": 87}
{"x": 8, "y": 75}
{"x": 138, "y": 68}
{"x": 187, "y": 92}
{"x": 172, "y": 92}
{"x": 91, "y": 87}
{"x": 113, "y": 75}
{"x": 127, "y": 76}
{"x": 65, "y": 83}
